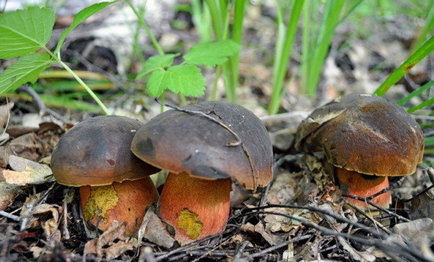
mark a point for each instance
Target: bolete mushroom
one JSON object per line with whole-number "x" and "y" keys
{"x": 114, "y": 184}
{"x": 366, "y": 138}
{"x": 203, "y": 147}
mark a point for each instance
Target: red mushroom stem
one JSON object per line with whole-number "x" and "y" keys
{"x": 356, "y": 184}
{"x": 195, "y": 207}
{"x": 124, "y": 202}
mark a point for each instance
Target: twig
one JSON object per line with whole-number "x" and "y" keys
{"x": 378, "y": 207}
{"x": 267, "y": 250}
{"x": 25, "y": 219}
{"x": 396, "y": 248}
{"x": 240, "y": 251}
{"x": 393, "y": 186}
{"x": 36, "y": 98}
{"x": 10, "y": 216}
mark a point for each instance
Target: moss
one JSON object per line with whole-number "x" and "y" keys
{"x": 101, "y": 200}
{"x": 190, "y": 223}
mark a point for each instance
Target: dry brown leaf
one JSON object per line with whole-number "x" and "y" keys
{"x": 272, "y": 238}
{"x": 364, "y": 256}
{"x": 419, "y": 232}
{"x": 5, "y": 113}
{"x": 7, "y": 194}
{"x": 115, "y": 240}
{"x": 154, "y": 230}
{"x": 117, "y": 249}
{"x": 27, "y": 172}
{"x": 48, "y": 216}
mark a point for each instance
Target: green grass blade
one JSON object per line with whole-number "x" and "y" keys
{"x": 421, "y": 105}
{"x": 329, "y": 21}
{"x": 416, "y": 93}
{"x": 25, "y": 31}
{"x": 237, "y": 34}
{"x": 427, "y": 28}
{"x": 415, "y": 58}
{"x": 283, "y": 65}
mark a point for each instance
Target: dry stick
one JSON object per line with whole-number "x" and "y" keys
{"x": 31, "y": 207}
{"x": 373, "y": 221}
{"x": 397, "y": 248}
{"x": 268, "y": 250}
{"x": 341, "y": 219}
{"x": 10, "y": 216}
{"x": 183, "y": 248}
{"x": 393, "y": 186}
{"x": 240, "y": 251}
{"x": 377, "y": 206}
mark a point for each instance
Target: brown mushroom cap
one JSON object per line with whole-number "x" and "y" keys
{"x": 97, "y": 152}
{"x": 364, "y": 133}
{"x": 190, "y": 142}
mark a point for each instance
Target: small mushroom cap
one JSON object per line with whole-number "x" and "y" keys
{"x": 97, "y": 152}
{"x": 190, "y": 142}
{"x": 364, "y": 133}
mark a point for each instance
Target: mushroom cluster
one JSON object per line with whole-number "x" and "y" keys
{"x": 203, "y": 147}
{"x": 366, "y": 139}
{"x": 114, "y": 184}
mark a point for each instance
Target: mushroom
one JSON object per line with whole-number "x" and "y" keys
{"x": 366, "y": 139}
{"x": 203, "y": 147}
{"x": 114, "y": 185}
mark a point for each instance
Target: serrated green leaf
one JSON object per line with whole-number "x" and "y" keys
{"x": 212, "y": 53}
{"x": 79, "y": 18}
{"x": 25, "y": 69}
{"x": 156, "y": 62}
{"x": 156, "y": 83}
{"x": 185, "y": 79}
{"x": 25, "y": 31}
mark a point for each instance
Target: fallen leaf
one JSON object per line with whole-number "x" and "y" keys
{"x": 154, "y": 230}
{"x": 5, "y": 113}
{"x": 7, "y": 194}
{"x": 27, "y": 172}
{"x": 272, "y": 238}
{"x": 355, "y": 254}
{"x": 115, "y": 240}
{"x": 48, "y": 216}
{"x": 420, "y": 231}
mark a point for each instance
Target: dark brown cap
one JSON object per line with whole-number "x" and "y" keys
{"x": 179, "y": 142}
{"x": 97, "y": 152}
{"x": 364, "y": 133}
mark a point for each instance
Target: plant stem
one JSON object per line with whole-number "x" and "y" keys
{"x": 91, "y": 93}
{"x": 145, "y": 26}
{"x": 237, "y": 34}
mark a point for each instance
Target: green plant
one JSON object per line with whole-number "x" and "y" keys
{"x": 185, "y": 78}
{"x": 23, "y": 33}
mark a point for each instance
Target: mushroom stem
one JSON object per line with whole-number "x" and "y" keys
{"x": 196, "y": 208}
{"x": 356, "y": 184}
{"x": 124, "y": 202}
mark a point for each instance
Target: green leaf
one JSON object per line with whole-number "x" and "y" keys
{"x": 79, "y": 18}
{"x": 25, "y": 31}
{"x": 25, "y": 69}
{"x": 184, "y": 79}
{"x": 212, "y": 53}
{"x": 156, "y": 62}
{"x": 156, "y": 83}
